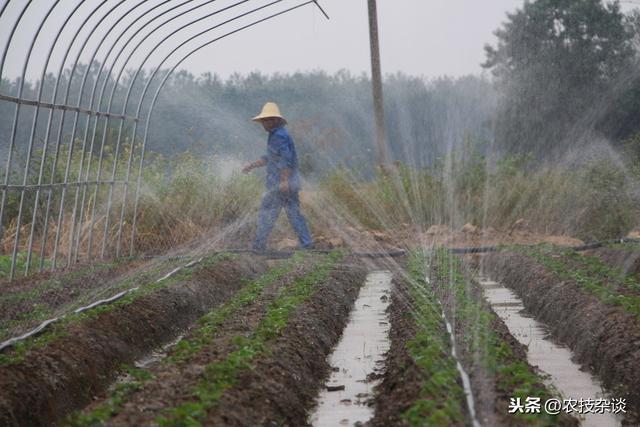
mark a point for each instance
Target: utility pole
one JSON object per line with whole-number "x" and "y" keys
{"x": 376, "y": 80}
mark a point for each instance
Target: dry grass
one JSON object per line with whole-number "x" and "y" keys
{"x": 184, "y": 199}
{"x": 595, "y": 200}
{"x": 181, "y": 199}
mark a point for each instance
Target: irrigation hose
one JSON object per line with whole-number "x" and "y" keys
{"x": 580, "y": 248}
{"x": 11, "y": 342}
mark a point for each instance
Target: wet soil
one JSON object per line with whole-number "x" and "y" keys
{"x": 491, "y": 399}
{"x": 403, "y": 378}
{"x": 603, "y": 337}
{"x": 279, "y": 388}
{"x": 66, "y": 373}
{"x": 552, "y": 359}
{"x": 401, "y": 384}
{"x": 357, "y": 357}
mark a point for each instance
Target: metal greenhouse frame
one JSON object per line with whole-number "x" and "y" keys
{"x": 66, "y": 177}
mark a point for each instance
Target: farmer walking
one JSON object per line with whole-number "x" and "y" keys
{"x": 283, "y": 180}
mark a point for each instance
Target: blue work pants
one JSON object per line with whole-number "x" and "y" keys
{"x": 272, "y": 202}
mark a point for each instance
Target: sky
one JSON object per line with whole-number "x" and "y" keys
{"x": 418, "y": 37}
{"x": 429, "y": 38}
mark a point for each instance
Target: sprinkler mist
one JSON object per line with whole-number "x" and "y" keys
{"x": 468, "y": 205}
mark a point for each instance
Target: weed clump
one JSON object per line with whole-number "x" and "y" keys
{"x": 595, "y": 200}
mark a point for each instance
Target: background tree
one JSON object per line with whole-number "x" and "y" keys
{"x": 560, "y": 66}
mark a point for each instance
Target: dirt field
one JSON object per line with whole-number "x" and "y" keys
{"x": 239, "y": 339}
{"x": 421, "y": 382}
{"x": 61, "y": 370}
{"x": 586, "y": 307}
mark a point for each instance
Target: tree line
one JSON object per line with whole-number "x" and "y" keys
{"x": 566, "y": 71}
{"x": 562, "y": 72}
{"x": 330, "y": 116}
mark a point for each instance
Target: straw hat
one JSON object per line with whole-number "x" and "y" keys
{"x": 270, "y": 109}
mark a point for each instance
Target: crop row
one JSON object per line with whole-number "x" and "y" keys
{"x": 441, "y": 400}
{"x": 60, "y": 328}
{"x": 202, "y": 335}
{"x": 203, "y": 393}
{"x": 486, "y": 347}
{"x": 609, "y": 284}
{"x": 589, "y": 304}
{"x": 219, "y": 376}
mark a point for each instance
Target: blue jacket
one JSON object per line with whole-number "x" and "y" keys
{"x": 281, "y": 154}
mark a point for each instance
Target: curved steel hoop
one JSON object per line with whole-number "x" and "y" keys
{"x": 67, "y": 152}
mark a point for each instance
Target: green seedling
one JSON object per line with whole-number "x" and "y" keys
{"x": 514, "y": 377}
{"x": 592, "y": 274}
{"x": 441, "y": 400}
{"x": 222, "y": 375}
{"x": 114, "y": 402}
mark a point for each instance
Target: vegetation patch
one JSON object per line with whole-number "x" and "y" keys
{"x": 25, "y": 304}
{"x": 208, "y": 324}
{"x": 633, "y": 245}
{"x": 610, "y": 285}
{"x": 17, "y": 353}
{"x": 220, "y": 376}
{"x": 597, "y": 196}
{"x": 514, "y": 377}
{"x": 121, "y": 391}
{"x": 594, "y": 266}
{"x": 21, "y": 263}
{"x": 20, "y": 349}
{"x": 54, "y": 283}
{"x": 38, "y": 312}
{"x": 441, "y": 400}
